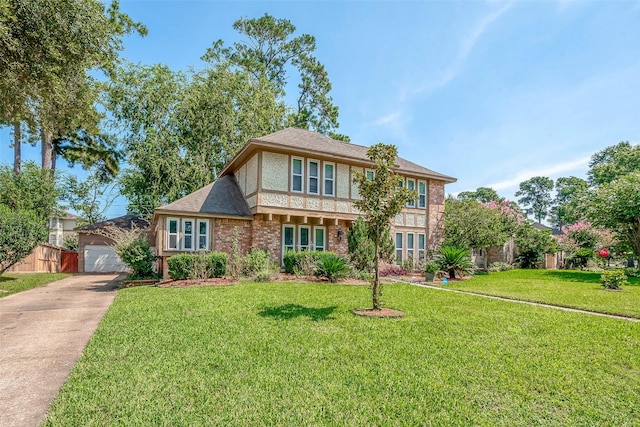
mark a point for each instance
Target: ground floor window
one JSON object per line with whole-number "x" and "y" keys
{"x": 303, "y": 238}
{"x": 188, "y": 234}
{"x": 421, "y": 246}
{"x": 399, "y": 254}
{"x": 410, "y": 246}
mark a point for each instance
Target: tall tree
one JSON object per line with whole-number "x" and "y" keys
{"x": 482, "y": 194}
{"x": 49, "y": 46}
{"x": 382, "y": 199}
{"x": 566, "y": 205}
{"x": 616, "y": 206}
{"x": 32, "y": 190}
{"x": 269, "y": 51}
{"x": 614, "y": 162}
{"x": 536, "y": 194}
{"x": 90, "y": 197}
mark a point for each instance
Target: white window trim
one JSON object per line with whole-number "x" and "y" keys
{"x": 399, "y": 248}
{"x": 324, "y": 179}
{"x": 198, "y": 235}
{"x": 309, "y": 161}
{"x": 177, "y": 234}
{"x": 411, "y": 250}
{"x": 324, "y": 240}
{"x": 284, "y": 248}
{"x": 183, "y": 234}
{"x": 299, "y": 241}
{"x": 411, "y": 204}
{"x": 421, "y": 206}
{"x": 301, "y": 174}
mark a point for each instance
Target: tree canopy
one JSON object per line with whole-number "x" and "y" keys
{"x": 535, "y": 195}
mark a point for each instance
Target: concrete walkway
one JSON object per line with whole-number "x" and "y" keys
{"x": 538, "y": 304}
{"x": 43, "y": 332}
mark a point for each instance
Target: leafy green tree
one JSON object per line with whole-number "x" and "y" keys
{"x": 90, "y": 197}
{"x": 382, "y": 199}
{"x": 362, "y": 247}
{"x": 616, "y": 206}
{"x": 32, "y": 190}
{"x": 536, "y": 194}
{"x": 49, "y": 46}
{"x": 533, "y": 245}
{"x": 566, "y": 209}
{"x": 614, "y": 162}
{"x": 20, "y": 232}
{"x": 473, "y": 225}
{"x": 268, "y": 53}
{"x": 482, "y": 194}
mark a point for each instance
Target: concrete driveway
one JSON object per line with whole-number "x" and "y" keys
{"x": 43, "y": 332}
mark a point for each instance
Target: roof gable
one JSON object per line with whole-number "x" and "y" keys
{"x": 310, "y": 143}
{"x": 222, "y": 197}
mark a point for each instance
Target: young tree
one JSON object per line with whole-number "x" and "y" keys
{"x": 382, "y": 199}
{"x": 20, "y": 232}
{"x": 90, "y": 198}
{"x": 536, "y": 194}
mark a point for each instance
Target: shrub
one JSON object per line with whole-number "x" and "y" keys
{"x": 632, "y": 272}
{"x": 197, "y": 266}
{"x": 454, "y": 260}
{"x": 332, "y": 267}
{"x": 20, "y": 233}
{"x": 613, "y": 279}
{"x": 500, "y": 266}
{"x": 392, "y": 270}
{"x": 258, "y": 266}
{"x": 431, "y": 267}
{"x": 297, "y": 262}
{"x": 137, "y": 254}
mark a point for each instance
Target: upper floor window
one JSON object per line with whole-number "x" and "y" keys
{"x": 411, "y": 185}
{"x": 370, "y": 174}
{"x": 313, "y": 171}
{"x": 297, "y": 174}
{"x": 422, "y": 194}
{"x": 329, "y": 179}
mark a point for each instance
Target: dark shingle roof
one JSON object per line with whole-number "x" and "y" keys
{"x": 125, "y": 221}
{"x": 222, "y": 197}
{"x": 315, "y": 143}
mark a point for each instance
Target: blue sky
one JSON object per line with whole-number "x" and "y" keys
{"x": 491, "y": 93}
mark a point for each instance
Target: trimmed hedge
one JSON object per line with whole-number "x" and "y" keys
{"x": 294, "y": 261}
{"x": 198, "y": 266}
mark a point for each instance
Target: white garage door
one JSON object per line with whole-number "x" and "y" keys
{"x": 102, "y": 259}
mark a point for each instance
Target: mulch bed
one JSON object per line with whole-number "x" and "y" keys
{"x": 383, "y": 312}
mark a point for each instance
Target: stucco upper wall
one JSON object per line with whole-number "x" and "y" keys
{"x": 275, "y": 171}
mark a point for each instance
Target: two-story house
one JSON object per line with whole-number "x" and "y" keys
{"x": 293, "y": 189}
{"x": 61, "y": 226}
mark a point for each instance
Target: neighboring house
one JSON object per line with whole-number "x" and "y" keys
{"x": 293, "y": 190}
{"x": 95, "y": 250}
{"x": 60, "y": 227}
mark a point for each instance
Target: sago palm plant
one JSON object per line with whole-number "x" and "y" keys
{"x": 454, "y": 260}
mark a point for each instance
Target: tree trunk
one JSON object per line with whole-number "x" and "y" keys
{"x": 376, "y": 280}
{"x": 46, "y": 149}
{"x": 17, "y": 148}
{"x": 452, "y": 273}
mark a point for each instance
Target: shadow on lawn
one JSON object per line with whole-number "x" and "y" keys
{"x": 290, "y": 311}
{"x": 576, "y": 276}
{"x": 6, "y": 279}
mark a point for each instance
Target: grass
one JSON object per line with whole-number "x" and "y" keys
{"x": 294, "y": 354}
{"x": 575, "y": 289}
{"x": 14, "y": 283}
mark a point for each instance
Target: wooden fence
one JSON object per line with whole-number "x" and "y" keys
{"x": 47, "y": 258}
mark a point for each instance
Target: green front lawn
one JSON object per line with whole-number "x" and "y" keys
{"x": 576, "y": 289}
{"x": 294, "y": 354}
{"x": 12, "y": 283}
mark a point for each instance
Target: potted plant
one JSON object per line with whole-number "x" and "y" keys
{"x": 430, "y": 270}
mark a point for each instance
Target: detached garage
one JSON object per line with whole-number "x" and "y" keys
{"x": 95, "y": 251}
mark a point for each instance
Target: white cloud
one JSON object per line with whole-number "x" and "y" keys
{"x": 549, "y": 171}
{"x": 389, "y": 119}
{"x": 466, "y": 46}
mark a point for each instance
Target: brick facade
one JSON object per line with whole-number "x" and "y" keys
{"x": 267, "y": 235}
{"x": 435, "y": 219}
{"x": 224, "y": 231}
